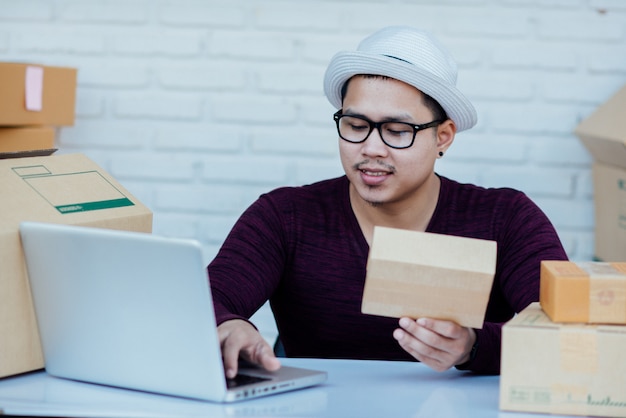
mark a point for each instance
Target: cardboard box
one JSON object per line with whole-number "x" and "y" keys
{"x": 587, "y": 292}
{"x": 66, "y": 189}
{"x": 554, "y": 368}
{"x": 609, "y": 185}
{"x": 37, "y": 95}
{"x": 18, "y": 140}
{"x": 420, "y": 274}
{"x": 604, "y": 135}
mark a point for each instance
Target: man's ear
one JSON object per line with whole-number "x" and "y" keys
{"x": 445, "y": 135}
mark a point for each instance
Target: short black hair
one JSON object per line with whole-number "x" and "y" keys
{"x": 431, "y": 104}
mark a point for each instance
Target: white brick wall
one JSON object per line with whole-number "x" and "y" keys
{"x": 199, "y": 106}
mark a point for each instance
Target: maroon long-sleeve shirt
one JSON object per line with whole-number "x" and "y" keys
{"x": 302, "y": 248}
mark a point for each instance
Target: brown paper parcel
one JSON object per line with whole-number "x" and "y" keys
{"x": 421, "y": 274}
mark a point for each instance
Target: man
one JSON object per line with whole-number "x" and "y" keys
{"x": 305, "y": 248}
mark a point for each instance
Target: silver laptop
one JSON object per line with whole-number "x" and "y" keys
{"x": 134, "y": 310}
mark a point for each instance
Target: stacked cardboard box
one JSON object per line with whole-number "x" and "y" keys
{"x": 591, "y": 292}
{"x": 604, "y": 135}
{"x": 566, "y": 354}
{"x": 35, "y": 99}
{"x": 26, "y": 141}
{"x": 66, "y": 189}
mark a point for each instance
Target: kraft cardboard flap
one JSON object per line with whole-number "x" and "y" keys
{"x": 605, "y": 150}
{"x": 419, "y": 274}
{"x": 533, "y": 316}
{"x": 62, "y": 189}
{"x": 604, "y": 132}
{"x": 437, "y": 250}
{"x": 607, "y": 121}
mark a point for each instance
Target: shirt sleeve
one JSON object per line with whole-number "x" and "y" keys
{"x": 526, "y": 237}
{"x": 249, "y": 265}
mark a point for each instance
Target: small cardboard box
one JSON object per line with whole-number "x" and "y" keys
{"x": 14, "y": 141}
{"x": 37, "y": 95}
{"x": 420, "y": 274}
{"x": 554, "y": 368}
{"x": 587, "y": 292}
{"x": 67, "y": 189}
{"x": 604, "y": 134}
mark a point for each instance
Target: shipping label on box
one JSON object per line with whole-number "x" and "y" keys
{"x": 420, "y": 274}
{"x": 75, "y": 192}
{"x": 588, "y": 292}
{"x": 37, "y": 95}
{"x": 66, "y": 189}
{"x": 555, "y": 368}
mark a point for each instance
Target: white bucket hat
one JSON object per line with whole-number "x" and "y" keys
{"x": 409, "y": 55}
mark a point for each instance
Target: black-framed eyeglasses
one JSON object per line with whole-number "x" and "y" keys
{"x": 398, "y": 135}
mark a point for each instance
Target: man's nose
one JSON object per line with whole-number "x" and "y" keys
{"x": 374, "y": 144}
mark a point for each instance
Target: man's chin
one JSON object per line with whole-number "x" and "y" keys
{"x": 375, "y": 204}
{"x": 372, "y": 195}
{"x": 370, "y": 198}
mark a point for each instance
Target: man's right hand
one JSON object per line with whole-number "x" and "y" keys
{"x": 240, "y": 338}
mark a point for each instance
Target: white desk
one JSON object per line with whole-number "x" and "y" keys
{"x": 354, "y": 389}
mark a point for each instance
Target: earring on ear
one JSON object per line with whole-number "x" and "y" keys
{"x": 441, "y": 153}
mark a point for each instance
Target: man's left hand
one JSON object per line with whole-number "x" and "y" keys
{"x": 437, "y": 343}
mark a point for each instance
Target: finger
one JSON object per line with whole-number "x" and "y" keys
{"x": 414, "y": 346}
{"x": 259, "y": 352}
{"x": 230, "y": 355}
{"x": 420, "y": 351}
{"x": 448, "y": 329}
{"x": 423, "y": 334}
{"x": 448, "y": 336}
{"x": 267, "y": 359}
{"x": 437, "y": 364}
{"x": 436, "y": 351}
{"x": 408, "y": 324}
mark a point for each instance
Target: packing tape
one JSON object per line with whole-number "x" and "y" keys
{"x": 607, "y": 292}
{"x": 579, "y": 349}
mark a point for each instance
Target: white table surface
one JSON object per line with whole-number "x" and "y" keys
{"x": 353, "y": 389}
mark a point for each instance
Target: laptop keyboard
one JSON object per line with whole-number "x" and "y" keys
{"x": 244, "y": 379}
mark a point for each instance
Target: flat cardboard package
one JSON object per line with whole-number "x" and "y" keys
{"x": 19, "y": 140}
{"x": 420, "y": 274}
{"x": 604, "y": 135}
{"x": 65, "y": 189}
{"x": 584, "y": 292}
{"x": 33, "y": 94}
{"x": 554, "y": 368}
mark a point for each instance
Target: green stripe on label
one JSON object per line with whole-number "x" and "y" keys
{"x": 89, "y": 206}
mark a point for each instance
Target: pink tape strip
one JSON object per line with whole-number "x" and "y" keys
{"x": 34, "y": 88}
